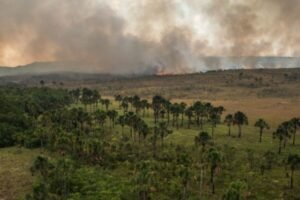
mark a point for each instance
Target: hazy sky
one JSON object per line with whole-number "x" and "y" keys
{"x": 132, "y": 34}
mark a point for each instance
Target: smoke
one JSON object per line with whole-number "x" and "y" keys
{"x": 146, "y": 35}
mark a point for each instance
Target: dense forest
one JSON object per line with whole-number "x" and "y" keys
{"x": 126, "y": 147}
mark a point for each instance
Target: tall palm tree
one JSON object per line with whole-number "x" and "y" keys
{"x": 87, "y": 97}
{"x": 154, "y": 139}
{"x": 100, "y": 117}
{"x": 261, "y": 124}
{"x": 122, "y": 122}
{"x": 106, "y": 103}
{"x": 229, "y": 122}
{"x": 144, "y": 104}
{"x": 182, "y": 109}
{"x": 214, "y": 119}
{"x": 124, "y": 105}
{"x": 136, "y": 103}
{"x": 130, "y": 120}
{"x": 294, "y": 162}
{"x": 157, "y": 102}
{"x": 202, "y": 139}
{"x": 240, "y": 119}
{"x": 163, "y": 131}
{"x": 281, "y": 134}
{"x": 295, "y": 124}
{"x": 167, "y": 105}
{"x": 119, "y": 99}
{"x": 214, "y": 157}
{"x": 175, "y": 110}
{"x": 112, "y": 114}
{"x": 189, "y": 113}
{"x": 288, "y": 127}
{"x": 198, "y": 108}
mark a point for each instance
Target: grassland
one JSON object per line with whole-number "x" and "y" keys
{"x": 15, "y": 176}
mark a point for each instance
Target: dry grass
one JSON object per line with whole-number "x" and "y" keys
{"x": 15, "y": 176}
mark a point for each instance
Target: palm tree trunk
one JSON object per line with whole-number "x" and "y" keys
{"x": 212, "y": 181}
{"x": 279, "y": 148}
{"x": 294, "y": 137}
{"x": 240, "y": 131}
{"x": 292, "y": 179}
{"x": 201, "y": 180}
{"x": 260, "y": 135}
{"x": 229, "y": 130}
{"x": 284, "y": 142}
{"x": 201, "y": 122}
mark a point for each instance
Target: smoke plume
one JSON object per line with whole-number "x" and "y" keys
{"x": 134, "y": 36}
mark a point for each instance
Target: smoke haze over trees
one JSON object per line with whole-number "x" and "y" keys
{"x": 148, "y": 35}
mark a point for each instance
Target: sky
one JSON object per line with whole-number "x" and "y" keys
{"x": 133, "y": 35}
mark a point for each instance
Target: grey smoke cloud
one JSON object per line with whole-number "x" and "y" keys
{"x": 152, "y": 34}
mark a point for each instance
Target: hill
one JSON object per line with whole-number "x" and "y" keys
{"x": 204, "y": 64}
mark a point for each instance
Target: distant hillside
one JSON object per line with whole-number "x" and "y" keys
{"x": 205, "y": 64}
{"x": 39, "y": 68}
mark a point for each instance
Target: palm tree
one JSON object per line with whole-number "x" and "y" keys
{"x": 189, "y": 114}
{"x": 124, "y": 105}
{"x": 281, "y": 133}
{"x": 182, "y": 109}
{"x": 100, "y": 117}
{"x": 144, "y": 104}
{"x": 157, "y": 106}
{"x": 122, "y": 122}
{"x": 154, "y": 139}
{"x": 95, "y": 98}
{"x": 214, "y": 158}
{"x": 175, "y": 110}
{"x": 163, "y": 131}
{"x": 119, "y": 99}
{"x": 87, "y": 97}
{"x": 261, "y": 124}
{"x": 203, "y": 138}
{"x": 106, "y": 103}
{"x": 41, "y": 165}
{"x": 240, "y": 119}
{"x": 294, "y": 162}
{"x": 288, "y": 127}
{"x": 112, "y": 114}
{"x": 130, "y": 120}
{"x": 185, "y": 175}
{"x": 42, "y": 83}
{"x": 142, "y": 129}
{"x": 234, "y": 191}
{"x": 214, "y": 118}
{"x": 198, "y": 108}
{"x": 268, "y": 160}
{"x": 167, "y": 105}
{"x": 229, "y": 122}
{"x": 295, "y": 124}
